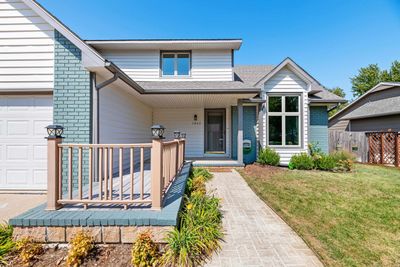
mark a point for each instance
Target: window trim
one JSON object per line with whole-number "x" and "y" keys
{"x": 283, "y": 114}
{"x": 175, "y": 53}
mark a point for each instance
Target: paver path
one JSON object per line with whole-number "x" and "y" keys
{"x": 255, "y": 235}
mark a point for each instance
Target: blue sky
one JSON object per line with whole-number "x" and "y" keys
{"x": 331, "y": 39}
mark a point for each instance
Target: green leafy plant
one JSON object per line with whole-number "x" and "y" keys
{"x": 314, "y": 149}
{"x": 199, "y": 233}
{"x": 201, "y": 172}
{"x": 144, "y": 251}
{"x": 325, "y": 162}
{"x": 344, "y": 161}
{"x": 28, "y": 250}
{"x": 6, "y": 242}
{"x": 197, "y": 185}
{"x": 301, "y": 161}
{"x": 268, "y": 156}
{"x": 80, "y": 247}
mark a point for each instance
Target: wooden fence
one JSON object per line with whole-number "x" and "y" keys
{"x": 384, "y": 148}
{"x": 354, "y": 142}
{"x": 74, "y": 182}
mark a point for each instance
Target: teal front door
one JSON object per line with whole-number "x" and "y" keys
{"x": 249, "y": 133}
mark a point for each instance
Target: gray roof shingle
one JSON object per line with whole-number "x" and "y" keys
{"x": 245, "y": 78}
{"x": 386, "y": 106}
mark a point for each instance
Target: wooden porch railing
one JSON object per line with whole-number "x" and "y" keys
{"x": 74, "y": 178}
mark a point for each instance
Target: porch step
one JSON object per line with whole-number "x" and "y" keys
{"x": 216, "y": 163}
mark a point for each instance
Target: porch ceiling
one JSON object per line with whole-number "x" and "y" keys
{"x": 194, "y": 100}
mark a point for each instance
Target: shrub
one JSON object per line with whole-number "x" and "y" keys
{"x": 6, "y": 242}
{"x": 201, "y": 172}
{"x": 197, "y": 185}
{"x": 268, "y": 156}
{"x": 325, "y": 162}
{"x": 28, "y": 250}
{"x": 200, "y": 229}
{"x": 301, "y": 161}
{"x": 344, "y": 161}
{"x": 80, "y": 247}
{"x": 314, "y": 149}
{"x": 144, "y": 251}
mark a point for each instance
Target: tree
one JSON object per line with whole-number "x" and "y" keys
{"x": 339, "y": 92}
{"x": 371, "y": 75}
{"x": 367, "y": 78}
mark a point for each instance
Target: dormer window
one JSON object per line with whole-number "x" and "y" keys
{"x": 175, "y": 64}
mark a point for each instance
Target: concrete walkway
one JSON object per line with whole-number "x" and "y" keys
{"x": 255, "y": 235}
{"x": 14, "y": 204}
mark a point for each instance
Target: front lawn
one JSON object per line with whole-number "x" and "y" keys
{"x": 348, "y": 219}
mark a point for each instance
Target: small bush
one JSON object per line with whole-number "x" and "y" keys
{"x": 28, "y": 250}
{"x": 197, "y": 185}
{"x": 199, "y": 232}
{"x": 268, "y": 156}
{"x": 6, "y": 242}
{"x": 314, "y": 149}
{"x": 344, "y": 161}
{"x": 144, "y": 251}
{"x": 325, "y": 162}
{"x": 80, "y": 247}
{"x": 201, "y": 172}
{"x": 301, "y": 161}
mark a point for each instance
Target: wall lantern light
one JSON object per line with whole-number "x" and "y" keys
{"x": 55, "y": 131}
{"x": 195, "y": 117}
{"x": 157, "y": 131}
{"x": 177, "y": 134}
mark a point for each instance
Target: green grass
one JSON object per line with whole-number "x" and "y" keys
{"x": 348, "y": 219}
{"x": 6, "y": 242}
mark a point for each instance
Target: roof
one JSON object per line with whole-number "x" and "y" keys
{"x": 381, "y": 107}
{"x": 175, "y": 44}
{"x": 197, "y": 87}
{"x": 371, "y": 107}
{"x": 251, "y": 74}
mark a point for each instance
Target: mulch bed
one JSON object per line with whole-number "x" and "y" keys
{"x": 107, "y": 255}
{"x": 262, "y": 171}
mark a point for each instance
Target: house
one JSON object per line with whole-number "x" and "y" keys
{"x": 113, "y": 91}
{"x": 376, "y": 110}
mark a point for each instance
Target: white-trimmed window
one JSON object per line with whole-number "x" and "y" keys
{"x": 283, "y": 120}
{"x": 175, "y": 64}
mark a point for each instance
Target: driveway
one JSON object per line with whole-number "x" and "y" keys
{"x": 14, "y": 204}
{"x": 255, "y": 234}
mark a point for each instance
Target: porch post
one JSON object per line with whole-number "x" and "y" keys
{"x": 240, "y": 132}
{"x": 53, "y": 171}
{"x": 156, "y": 174}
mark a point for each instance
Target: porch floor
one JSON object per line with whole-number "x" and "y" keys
{"x": 115, "y": 192}
{"x": 111, "y": 216}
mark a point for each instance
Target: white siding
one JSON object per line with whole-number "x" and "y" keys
{"x": 26, "y": 48}
{"x": 144, "y": 65}
{"x": 182, "y": 120}
{"x": 124, "y": 120}
{"x": 212, "y": 65}
{"x": 285, "y": 81}
{"x": 139, "y": 65}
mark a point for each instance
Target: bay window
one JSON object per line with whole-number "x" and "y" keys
{"x": 283, "y": 118}
{"x": 175, "y": 64}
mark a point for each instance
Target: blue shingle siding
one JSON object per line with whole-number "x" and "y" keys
{"x": 72, "y": 101}
{"x": 319, "y": 127}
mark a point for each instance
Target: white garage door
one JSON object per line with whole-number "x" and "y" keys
{"x": 23, "y": 151}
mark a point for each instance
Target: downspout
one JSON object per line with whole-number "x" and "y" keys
{"x": 98, "y": 88}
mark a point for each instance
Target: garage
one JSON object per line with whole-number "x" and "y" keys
{"x": 23, "y": 153}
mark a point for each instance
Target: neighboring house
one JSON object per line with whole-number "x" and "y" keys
{"x": 112, "y": 91}
{"x": 376, "y": 110}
